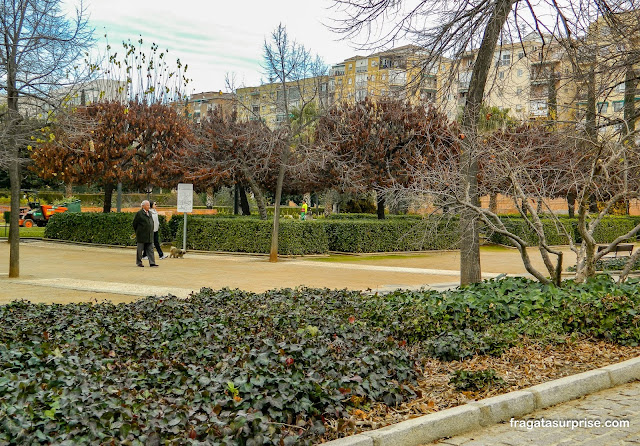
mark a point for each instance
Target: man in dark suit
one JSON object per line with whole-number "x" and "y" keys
{"x": 143, "y": 225}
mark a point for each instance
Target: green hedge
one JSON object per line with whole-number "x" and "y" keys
{"x": 317, "y": 236}
{"x": 247, "y": 234}
{"x": 360, "y": 216}
{"x": 608, "y": 230}
{"x": 390, "y": 235}
{"x": 114, "y": 228}
{"x": 252, "y": 235}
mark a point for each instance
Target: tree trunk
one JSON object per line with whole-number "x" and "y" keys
{"x": 108, "y": 194}
{"x": 493, "y": 203}
{"x": 571, "y": 204}
{"x": 68, "y": 190}
{"x": 14, "y": 225}
{"x": 257, "y": 193}
{"x": 236, "y": 200}
{"x": 209, "y": 197}
{"x": 244, "y": 202}
{"x": 470, "y": 271}
{"x": 273, "y": 254}
{"x": 380, "y": 203}
{"x": 13, "y": 122}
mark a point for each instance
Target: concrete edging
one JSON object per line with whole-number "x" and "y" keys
{"x": 465, "y": 418}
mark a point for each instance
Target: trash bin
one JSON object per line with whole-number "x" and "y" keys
{"x": 72, "y": 206}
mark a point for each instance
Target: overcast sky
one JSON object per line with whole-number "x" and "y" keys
{"x": 215, "y": 37}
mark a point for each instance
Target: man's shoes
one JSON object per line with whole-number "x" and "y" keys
{"x": 154, "y": 265}
{"x": 141, "y": 266}
{"x": 144, "y": 257}
{"x": 164, "y": 257}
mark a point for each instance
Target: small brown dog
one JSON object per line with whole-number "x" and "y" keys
{"x": 176, "y": 253}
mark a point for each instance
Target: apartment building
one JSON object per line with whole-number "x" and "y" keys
{"x": 534, "y": 78}
{"x": 267, "y": 102}
{"x": 397, "y": 73}
{"x": 528, "y": 78}
{"x": 609, "y": 52}
{"x": 198, "y": 105}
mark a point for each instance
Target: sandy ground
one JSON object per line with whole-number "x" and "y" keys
{"x": 59, "y": 272}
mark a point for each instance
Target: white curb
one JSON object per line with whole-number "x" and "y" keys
{"x": 461, "y": 419}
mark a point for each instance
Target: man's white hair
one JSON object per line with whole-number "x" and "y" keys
{"x": 143, "y": 203}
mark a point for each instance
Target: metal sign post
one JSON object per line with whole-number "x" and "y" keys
{"x": 185, "y": 204}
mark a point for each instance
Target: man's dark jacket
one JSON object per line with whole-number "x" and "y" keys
{"x": 143, "y": 225}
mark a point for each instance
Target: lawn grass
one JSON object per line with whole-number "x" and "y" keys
{"x": 24, "y": 232}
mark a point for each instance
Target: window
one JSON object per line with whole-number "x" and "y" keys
{"x": 618, "y": 106}
{"x": 350, "y": 81}
{"x": 501, "y": 75}
{"x": 620, "y": 88}
{"x": 255, "y": 108}
{"x": 349, "y": 66}
{"x": 519, "y": 91}
{"x": 518, "y": 107}
{"x": 520, "y": 55}
{"x": 373, "y": 77}
{"x": 384, "y": 77}
{"x": 505, "y": 60}
{"x": 520, "y": 73}
{"x": 602, "y": 107}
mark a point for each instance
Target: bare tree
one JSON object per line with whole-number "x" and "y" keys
{"x": 294, "y": 71}
{"x": 229, "y": 152}
{"x": 458, "y": 26}
{"x": 450, "y": 29}
{"x": 39, "y": 51}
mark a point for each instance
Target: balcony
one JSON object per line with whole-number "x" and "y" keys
{"x": 397, "y": 77}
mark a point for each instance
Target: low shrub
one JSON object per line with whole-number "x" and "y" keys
{"x": 232, "y": 367}
{"x": 398, "y": 234}
{"x": 469, "y": 380}
{"x": 607, "y": 230}
{"x": 615, "y": 264}
{"x": 518, "y": 226}
{"x": 252, "y": 235}
{"x": 113, "y": 228}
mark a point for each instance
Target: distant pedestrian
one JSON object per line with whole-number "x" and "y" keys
{"x": 303, "y": 211}
{"x": 143, "y": 225}
{"x": 156, "y": 227}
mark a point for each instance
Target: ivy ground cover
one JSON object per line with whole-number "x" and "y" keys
{"x": 281, "y": 367}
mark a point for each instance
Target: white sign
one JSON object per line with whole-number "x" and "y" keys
{"x": 185, "y": 197}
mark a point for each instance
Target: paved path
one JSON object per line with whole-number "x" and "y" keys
{"x": 58, "y": 272}
{"x": 619, "y": 406}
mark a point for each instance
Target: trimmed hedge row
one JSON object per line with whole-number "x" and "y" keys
{"x": 607, "y": 231}
{"x": 252, "y": 235}
{"x": 316, "y": 236}
{"x": 391, "y": 235}
{"x": 360, "y": 216}
{"x": 246, "y": 234}
{"x": 114, "y": 228}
